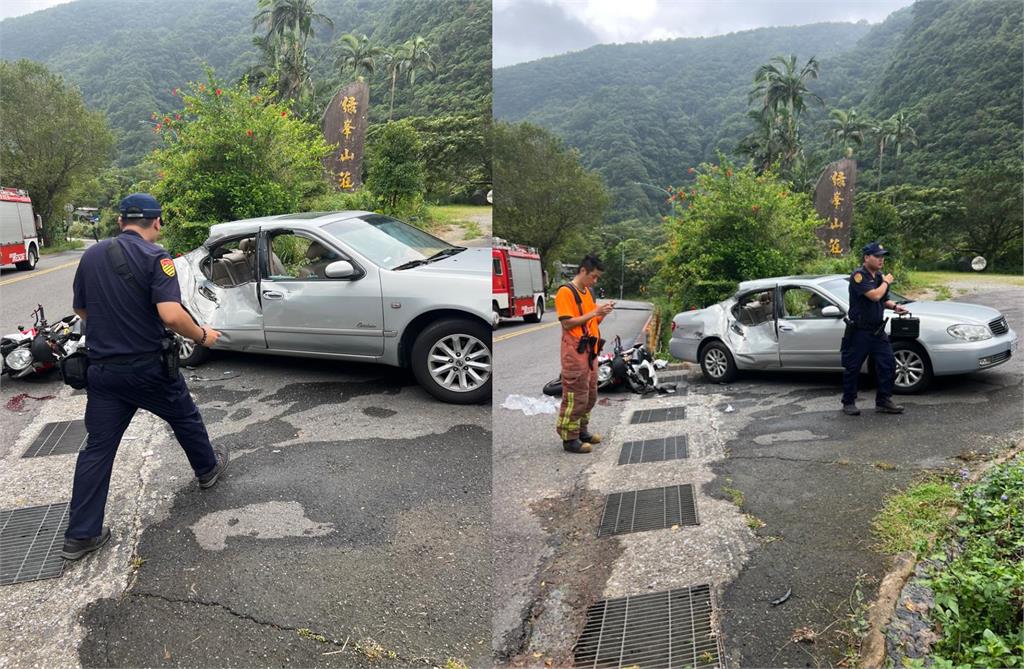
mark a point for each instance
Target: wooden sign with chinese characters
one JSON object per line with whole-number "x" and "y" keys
{"x": 833, "y": 199}
{"x": 344, "y": 124}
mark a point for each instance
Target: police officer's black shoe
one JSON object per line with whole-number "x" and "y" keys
{"x": 576, "y": 446}
{"x": 210, "y": 478}
{"x": 851, "y": 409}
{"x": 888, "y": 407}
{"x": 75, "y": 549}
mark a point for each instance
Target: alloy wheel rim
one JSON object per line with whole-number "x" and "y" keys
{"x": 188, "y": 347}
{"x": 459, "y": 362}
{"x": 909, "y": 368}
{"x": 715, "y": 362}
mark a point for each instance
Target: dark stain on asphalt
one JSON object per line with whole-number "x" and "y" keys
{"x": 316, "y": 393}
{"x": 579, "y": 569}
{"x": 379, "y": 412}
{"x": 208, "y": 393}
{"x": 212, "y": 414}
{"x": 408, "y": 562}
{"x": 262, "y": 433}
{"x": 241, "y": 413}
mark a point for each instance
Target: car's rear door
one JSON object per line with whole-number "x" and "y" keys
{"x": 306, "y": 312}
{"x": 751, "y": 334}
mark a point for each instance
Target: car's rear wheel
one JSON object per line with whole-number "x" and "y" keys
{"x": 451, "y": 359}
{"x": 537, "y": 314}
{"x": 913, "y": 368}
{"x": 717, "y": 364}
{"x": 190, "y": 353}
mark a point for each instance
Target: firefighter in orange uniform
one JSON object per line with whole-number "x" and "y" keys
{"x": 581, "y": 343}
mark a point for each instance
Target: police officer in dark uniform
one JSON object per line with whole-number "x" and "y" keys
{"x": 127, "y": 297}
{"x": 865, "y": 331}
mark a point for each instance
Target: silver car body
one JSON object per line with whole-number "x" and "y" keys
{"x": 370, "y": 319}
{"x": 813, "y": 343}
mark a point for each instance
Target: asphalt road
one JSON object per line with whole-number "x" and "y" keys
{"x": 816, "y": 479}
{"x": 537, "y": 486}
{"x": 352, "y": 527}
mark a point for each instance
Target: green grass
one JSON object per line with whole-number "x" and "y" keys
{"x": 472, "y": 230}
{"x": 58, "y": 247}
{"x": 915, "y": 515}
{"x": 453, "y": 214}
{"x": 935, "y": 279}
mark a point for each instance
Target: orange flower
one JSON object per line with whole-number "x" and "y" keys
{"x": 159, "y": 126}
{"x": 283, "y": 114}
{"x": 249, "y": 132}
{"x": 217, "y": 91}
{"x": 167, "y": 119}
{"x": 784, "y": 194}
{"x": 177, "y": 117}
{"x": 690, "y": 171}
{"x": 755, "y": 208}
{"x": 728, "y": 173}
{"x": 202, "y": 88}
{"x": 174, "y": 92}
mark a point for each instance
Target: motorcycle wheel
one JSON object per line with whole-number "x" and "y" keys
{"x": 553, "y": 388}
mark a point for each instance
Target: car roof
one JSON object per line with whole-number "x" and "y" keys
{"x": 301, "y": 220}
{"x": 761, "y": 284}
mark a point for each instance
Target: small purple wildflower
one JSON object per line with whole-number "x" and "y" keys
{"x": 964, "y": 474}
{"x": 1003, "y": 497}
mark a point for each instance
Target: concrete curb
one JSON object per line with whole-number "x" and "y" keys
{"x": 873, "y": 651}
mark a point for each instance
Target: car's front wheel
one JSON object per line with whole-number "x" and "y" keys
{"x": 913, "y": 368}
{"x": 452, "y": 361}
{"x": 717, "y": 364}
{"x": 190, "y": 353}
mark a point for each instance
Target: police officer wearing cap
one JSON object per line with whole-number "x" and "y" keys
{"x": 127, "y": 296}
{"x": 865, "y": 331}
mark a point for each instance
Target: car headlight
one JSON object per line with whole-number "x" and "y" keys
{"x": 19, "y": 359}
{"x": 969, "y": 332}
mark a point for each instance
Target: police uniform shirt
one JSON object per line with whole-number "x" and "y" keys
{"x": 119, "y": 320}
{"x": 863, "y": 311}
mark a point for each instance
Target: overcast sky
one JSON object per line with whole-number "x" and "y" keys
{"x": 530, "y": 29}
{"x": 9, "y": 8}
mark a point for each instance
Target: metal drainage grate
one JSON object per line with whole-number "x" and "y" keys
{"x": 652, "y": 509}
{"x": 672, "y": 378}
{"x": 658, "y": 630}
{"x": 67, "y": 436}
{"x": 653, "y": 450}
{"x": 31, "y": 540}
{"x": 658, "y": 415}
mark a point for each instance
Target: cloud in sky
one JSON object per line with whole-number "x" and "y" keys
{"x": 530, "y": 29}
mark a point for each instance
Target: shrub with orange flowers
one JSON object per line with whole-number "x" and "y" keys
{"x": 736, "y": 226}
{"x": 226, "y": 156}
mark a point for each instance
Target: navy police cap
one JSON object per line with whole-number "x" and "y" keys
{"x": 874, "y": 249}
{"x": 140, "y": 205}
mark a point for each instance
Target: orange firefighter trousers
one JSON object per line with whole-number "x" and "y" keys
{"x": 579, "y": 389}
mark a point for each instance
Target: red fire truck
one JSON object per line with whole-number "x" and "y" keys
{"x": 518, "y": 282}
{"x": 19, "y": 236}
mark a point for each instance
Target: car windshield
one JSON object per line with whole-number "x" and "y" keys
{"x": 385, "y": 241}
{"x": 841, "y": 289}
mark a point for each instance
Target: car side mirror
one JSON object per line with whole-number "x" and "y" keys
{"x": 831, "y": 311}
{"x": 340, "y": 269}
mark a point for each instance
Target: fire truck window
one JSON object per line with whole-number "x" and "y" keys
{"x": 497, "y": 267}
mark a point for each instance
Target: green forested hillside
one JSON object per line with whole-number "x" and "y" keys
{"x": 128, "y": 55}
{"x": 647, "y": 112}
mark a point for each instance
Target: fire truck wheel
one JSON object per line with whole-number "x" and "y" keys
{"x": 451, "y": 359}
{"x": 33, "y": 258}
{"x": 536, "y": 315}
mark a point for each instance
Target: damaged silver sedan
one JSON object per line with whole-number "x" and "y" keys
{"x": 796, "y": 323}
{"x": 349, "y": 285}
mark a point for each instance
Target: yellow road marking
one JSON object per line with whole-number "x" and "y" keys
{"x": 36, "y": 273}
{"x": 521, "y": 332}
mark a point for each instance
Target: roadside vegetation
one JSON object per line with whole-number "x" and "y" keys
{"x": 58, "y": 247}
{"x": 973, "y": 537}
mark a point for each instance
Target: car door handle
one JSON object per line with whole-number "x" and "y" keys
{"x": 207, "y": 293}
{"x": 787, "y": 328}
{"x": 273, "y": 294}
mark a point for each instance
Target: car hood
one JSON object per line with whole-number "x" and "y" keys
{"x": 474, "y": 261}
{"x": 960, "y": 312}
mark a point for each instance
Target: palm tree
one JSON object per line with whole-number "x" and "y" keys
{"x": 784, "y": 91}
{"x": 847, "y": 127}
{"x": 394, "y": 61}
{"x": 902, "y": 132}
{"x": 289, "y": 24}
{"x": 883, "y": 133}
{"x": 357, "y": 53}
{"x": 765, "y": 144}
{"x": 418, "y": 58}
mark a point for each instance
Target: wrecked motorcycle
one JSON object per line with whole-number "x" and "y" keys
{"x": 633, "y": 368}
{"x": 38, "y": 349}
